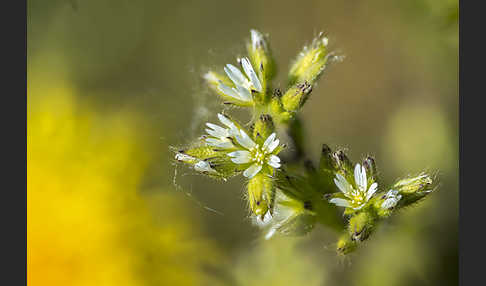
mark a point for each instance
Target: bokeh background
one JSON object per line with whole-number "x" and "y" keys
{"x": 113, "y": 84}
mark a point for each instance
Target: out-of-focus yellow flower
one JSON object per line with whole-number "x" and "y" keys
{"x": 86, "y": 222}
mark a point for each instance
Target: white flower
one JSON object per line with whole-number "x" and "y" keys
{"x": 354, "y": 198}
{"x": 255, "y": 154}
{"x": 220, "y": 136}
{"x": 391, "y": 199}
{"x": 243, "y": 84}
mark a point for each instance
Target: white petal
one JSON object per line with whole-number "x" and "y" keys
{"x": 252, "y": 171}
{"x": 217, "y": 131}
{"x": 274, "y": 164}
{"x": 389, "y": 203}
{"x": 274, "y": 158}
{"x": 269, "y": 140}
{"x": 373, "y": 188}
{"x": 273, "y": 145}
{"x": 235, "y": 75}
{"x": 226, "y": 121}
{"x": 360, "y": 177}
{"x": 203, "y": 166}
{"x": 184, "y": 157}
{"x": 251, "y": 74}
{"x": 219, "y": 143}
{"x": 274, "y": 161}
{"x": 231, "y": 92}
{"x": 342, "y": 184}
{"x": 339, "y": 202}
{"x": 240, "y": 157}
{"x": 244, "y": 93}
{"x": 245, "y": 140}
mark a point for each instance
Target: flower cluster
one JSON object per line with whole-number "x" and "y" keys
{"x": 287, "y": 193}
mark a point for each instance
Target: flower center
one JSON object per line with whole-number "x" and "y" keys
{"x": 258, "y": 155}
{"x": 358, "y": 199}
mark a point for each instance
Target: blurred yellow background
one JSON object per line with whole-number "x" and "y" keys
{"x": 112, "y": 85}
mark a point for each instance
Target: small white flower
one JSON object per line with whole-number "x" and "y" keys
{"x": 391, "y": 199}
{"x": 243, "y": 84}
{"x": 255, "y": 154}
{"x": 220, "y": 136}
{"x": 354, "y": 198}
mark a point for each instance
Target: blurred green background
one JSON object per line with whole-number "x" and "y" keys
{"x": 113, "y": 84}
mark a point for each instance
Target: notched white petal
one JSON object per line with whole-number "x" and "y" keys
{"x": 228, "y": 91}
{"x": 235, "y": 74}
{"x": 342, "y": 184}
{"x": 339, "y": 202}
{"x": 373, "y": 188}
{"x": 245, "y": 140}
{"x": 269, "y": 140}
{"x": 184, "y": 157}
{"x": 273, "y": 145}
{"x": 244, "y": 93}
{"x": 240, "y": 157}
{"x": 252, "y": 171}
{"x": 250, "y": 72}
{"x": 203, "y": 166}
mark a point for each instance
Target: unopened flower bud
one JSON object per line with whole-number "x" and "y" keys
{"x": 260, "y": 56}
{"x": 343, "y": 163}
{"x": 296, "y": 96}
{"x": 370, "y": 166}
{"x": 346, "y": 245}
{"x": 360, "y": 226}
{"x": 310, "y": 63}
{"x": 263, "y": 128}
{"x": 260, "y": 194}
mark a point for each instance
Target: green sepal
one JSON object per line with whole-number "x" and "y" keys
{"x": 295, "y": 97}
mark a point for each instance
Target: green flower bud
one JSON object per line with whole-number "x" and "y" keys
{"x": 344, "y": 164}
{"x": 346, "y": 245}
{"x": 261, "y": 194}
{"x": 217, "y": 166}
{"x": 276, "y": 108}
{"x": 261, "y": 57}
{"x": 413, "y": 189}
{"x": 327, "y": 164}
{"x": 361, "y": 225}
{"x": 296, "y": 96}
{"x": 263, "y": 128}
{"x": 310, "y": 63}
{"x": 200, "y": 152}
{"x": 370, "y": 166}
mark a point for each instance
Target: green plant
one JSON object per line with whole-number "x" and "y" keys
{"x": 291, "y": 195}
